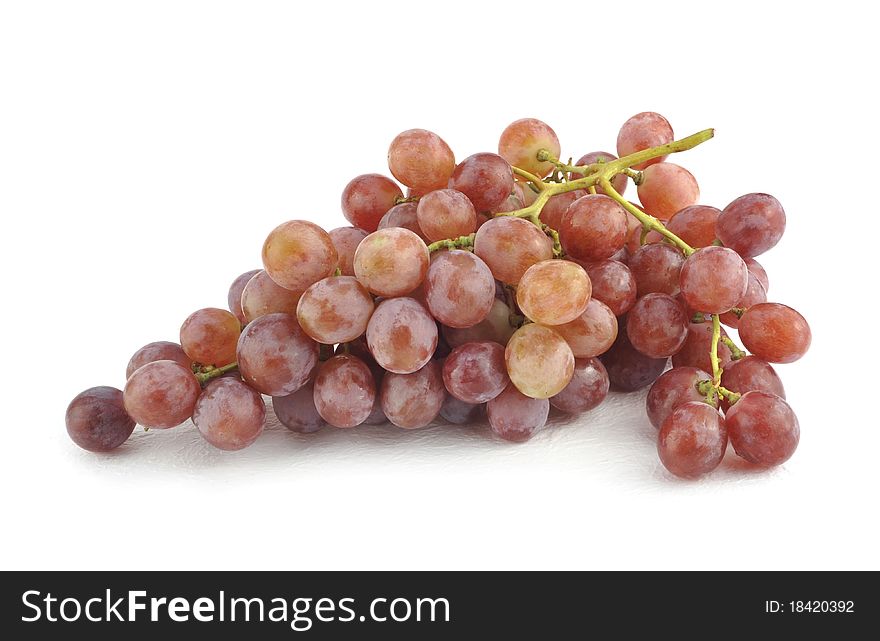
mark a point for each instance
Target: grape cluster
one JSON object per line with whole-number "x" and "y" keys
{"x": 503, "y": 285}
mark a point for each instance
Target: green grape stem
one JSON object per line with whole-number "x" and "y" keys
{"x": 206, "y": 373}
{"x": 735, "y": 352}
{"x": 462, "y": 242}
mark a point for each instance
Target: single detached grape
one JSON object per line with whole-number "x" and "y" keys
{"x": 404, "y": 215}
{"x": 459, "y": 288}
{"x": 421, "y": 160}
{"x": 775, "y": 332}
{"x": 275, "y": 356}
{"x": 161, "y": 394}
{"x": 692, "y": 440}
{"x": 618, "y": 182}
{"x": 628, "y": 369}
{"x": 391, "y": 262}
{"x": 413, "y": 400}
{"x": 297, "y": 411}
{"x": 554, "y": 292}
{"x": 592, "y": 333}
{"x": 486, "y": 179}
{"x": 298, "y": 253}
{"x": 210, "y": 336}
{"x": 587, "y": 389}
{"x": 460, "y": 413}
{"x": 401, "y": 335}
{"x": 750, "y": 374}
{"x": 695, "y": 351}
{"x": 593, "y": 228}
{"x": 755, "y": 294}
{"x": 556, "y": 206}
{"x": 667, "y": 188}
{"x": 158, "y": 351}
{"x": 97, "y": 421}
{"x": 643, "y": 131}
{"x": 714, "y": 279}
{"x": 509, "y": 246}
{"x": 446, "y": 213}
{"x": 695, "y": 225}
{"x": 229, "y": 414}
{"x": 516, "y": 417}
{"x": 522, "y": 140}
{"x": 233, "y": 298}
{"x": 657, "y": 325}
{"x": 751, "y": 224}
{"x": 262, "y": 296}
{"x": 367, "y": 198}
{"x": 335, "y": 310}
{"x": 539, "y": 361}
{"x": 344, "y": 391}
{"x": 495, "y": 327}
{"x": 476, "y": 372}
{"x": 657, "y": 269}
{"x": 763, "y": 428}
{"x": 613, "y": 284}
{"x": 346, "y": 241}
{"x": 674, "y": 387}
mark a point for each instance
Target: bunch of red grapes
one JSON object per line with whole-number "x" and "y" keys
{"x": 503, "y": 285}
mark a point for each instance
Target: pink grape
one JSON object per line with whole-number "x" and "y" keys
{"x": 335, "y": 310}
{"x": 755, "y": 294}
{"x": 401, "y": 335}
{"x": 777, "y": 333}
{"x": 628, "y": 369}
{"x": 297, "y": 411}
{"x": 587, "y": 389}
{"x": 692, "y": 440}
{"x": 158, "y": 351}
{"x": 344, "y": 391}
{"x": 763, "y": 428}
{"x": 674, "y": 387}
{"x": 618, "y": 182}
{"x": 275, "y": 356}
{"x": 233, "y": 297}
{"x": 657, "y": 269}
{"x": 643, "y": 131}
{"x": 554, "y": 209}
{"x": 263, "y": 296}
{"x": 592, "y": 333}
{"x": 367, "y": 198}
{"x": 760, "y": 273}
{"x": 522, "y": 139}
{"x": 695, "y": 351}
{"x": 391, "y": 262}
{"x": 667, "y": 188}
{"x": 516, "y": 417}
{"x": 509, "y": 246}
{"x": 229, "y": 414}
{"x": 298, "y": 253}
{"x": 554, "y": 292}
{"x": 446, "y": 213}
{"x": 421, "y": 160}
{"x": 714, "y": 279}
{"x": 161, "y": 394}
{"x": 593, "y": 228}
{"x": 751, "y": 224}
{"x": 460, "y": 413}
{"x": 476, "y": 372}
{"x": 96, "y": 419}
{"x": 413, "y": 400}
{"x": 210, "y": 336}
{"x": 403, "y": 215}
{"x": 486, "y": 179}
{"x": 695, "y": 225}
{"x": 749, "y": 374}
{"x": 657, "y": 325}
{"x": 613, "y": 284}
{"x": 459, "y": 288}
{"x": 539, "y": 361}
{"x": 346, "y": 241}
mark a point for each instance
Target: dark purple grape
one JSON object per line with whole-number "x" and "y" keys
{"x": 297, "y": 411}
{"x": 586, "y": 390}
{"x": 516, "y": 417}
{"x": 628, "y": 369}
{"x": 460, "y": 413}
{"x": 97, "y": 421}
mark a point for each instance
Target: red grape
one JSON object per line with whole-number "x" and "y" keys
{"x": 335, "y": 310}
{"x": 628, "y": 369}
{"x": 263, "y": 296}
{"x": 656, "y": 269}
{"x": 613, "y": 284}
{"x": 229, "y": 414}
{"x": 459, "y": 288}
{"x": 476, "y": 372}
{"x": 643, "y": 131}
{"x": 460, "y": 413}
{"x": 674, "y": 387}
{"x": 760, "y": 273}
{"x": 593, "y": 228}
{"x": 401, "y": 335}
{"x": 421, "y": 160}
{"x": 587, "y": 389}
{"x": 486, "y": 179}
{"x": 554, "y": 292}
{"x": 210, "y": 336}
{"x": 749, "y": 374}
{"x": 763, "y": 428}
{"x": 367, "y": 198}
{"x": 161, "y": 394}
{"x": 592, "y": 333}
{"x": 516, "y": 417}
{"x": 158, "y": 351}
{"x": 346, "y": 241}
{"x": 556, "y": 206}
{"x": 298, "y": 253}
{"x": 297, "y": 411}
{"x": 391, "y": 262}
{"x": 695, "y": 225}
{"x": 233, "y": 298}
{"x": 657, "y": 325}
{"x": 446, "y": 213}
{"x": 539, "y": 361}
{"x": 413, "y": 400}
{"x": 495, "y": 327}
{"x": 667, "y": 188}
{"x": 510, "y": 245}
{"x": 775, "y": 332}
{"x": 618, "y": 182}
{"x": 692, "y": 440}
{"x": 344, "y": 391}
{"x": 275, "y": 356}
{"x": 404, "y": 215}
{"x": 755, "y": 293}
{"x": 695, "y": 351}
{"x": 522, "y": 140}
{"x": 96, "y": 419}
{"x": 714, "y": 279}
{"x": 751, "y": 224}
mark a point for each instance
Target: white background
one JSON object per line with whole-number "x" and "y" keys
{"x": 146, "y": 149}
